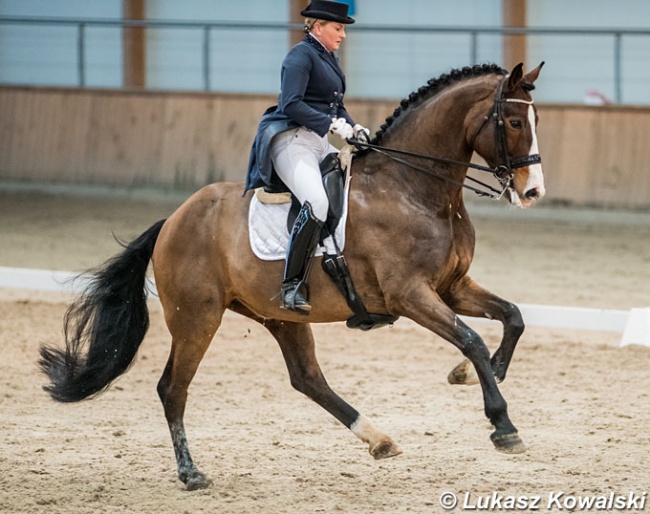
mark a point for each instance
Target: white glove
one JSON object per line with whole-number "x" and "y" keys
{"x": 342, "y": 128}
{"x": 361, "y": 133}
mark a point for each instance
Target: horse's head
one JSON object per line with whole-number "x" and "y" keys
{"x": 505, "y": 135}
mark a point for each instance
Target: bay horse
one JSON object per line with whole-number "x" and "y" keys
{"x": 409, "y": 245}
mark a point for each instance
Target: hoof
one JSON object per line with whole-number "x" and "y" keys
{"x": 508, "y": 443}
{"x": 385, "y": 449}
{"x": 463, "y": 374}
{"x": 196, "y": 481}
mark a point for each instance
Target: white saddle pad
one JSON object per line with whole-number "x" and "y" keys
{"x": 269, "y": 237}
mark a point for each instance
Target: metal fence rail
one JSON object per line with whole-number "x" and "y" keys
{"x": 81, "y": 24}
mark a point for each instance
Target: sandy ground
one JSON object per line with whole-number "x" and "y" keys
{"x": 579, "y": 401}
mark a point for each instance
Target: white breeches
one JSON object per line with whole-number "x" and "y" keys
{"x": 296, "y": 155}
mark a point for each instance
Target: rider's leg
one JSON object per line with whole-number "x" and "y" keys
{"x": 296, "y": 155}
{"x": 302, "y": 245}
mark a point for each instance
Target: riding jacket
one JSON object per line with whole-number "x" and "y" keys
{"x": 311, "y": 95}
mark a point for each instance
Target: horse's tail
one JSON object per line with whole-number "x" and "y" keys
{"x": 104, "y": 326}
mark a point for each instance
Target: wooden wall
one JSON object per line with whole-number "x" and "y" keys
{"x": 125, "y": 139}
{"x": 592, "y": 155}
{"x": 596, "y": 155}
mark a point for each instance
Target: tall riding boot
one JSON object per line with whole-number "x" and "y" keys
{"x": 302, "y": 245}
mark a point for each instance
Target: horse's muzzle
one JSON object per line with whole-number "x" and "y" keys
{"x": 534, "y": 193}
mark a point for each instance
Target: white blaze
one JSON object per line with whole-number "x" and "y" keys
{"x": 535, "y": 175}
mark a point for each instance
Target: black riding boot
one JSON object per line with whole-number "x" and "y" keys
{"x": 302, "y": 245}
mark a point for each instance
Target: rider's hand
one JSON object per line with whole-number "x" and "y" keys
{"x": 342, "y": 128}
{"x": 361, "y": 133}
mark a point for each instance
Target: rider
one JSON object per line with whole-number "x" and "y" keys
{"x": 292, "y": 136}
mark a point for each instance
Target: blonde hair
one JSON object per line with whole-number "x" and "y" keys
{"x": 310, "y": 22}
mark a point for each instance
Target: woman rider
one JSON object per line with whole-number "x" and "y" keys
{"x": 292, "y": 136}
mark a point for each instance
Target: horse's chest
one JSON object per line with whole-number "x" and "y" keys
{"x": 455, "y": 250}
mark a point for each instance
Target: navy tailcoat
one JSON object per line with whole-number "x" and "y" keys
{"x": 311, "y": 95}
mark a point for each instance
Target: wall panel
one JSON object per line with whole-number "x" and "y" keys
{"x": 591, "y": 155}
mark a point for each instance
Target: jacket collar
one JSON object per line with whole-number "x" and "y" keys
{"x": 311, "y": 40}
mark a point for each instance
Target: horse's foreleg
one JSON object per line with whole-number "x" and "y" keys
{"x": 424, "y": 306}
{"x": 191, "y": 336}
{"x": 470, "y": 299}
{"x": 297, "y": 344}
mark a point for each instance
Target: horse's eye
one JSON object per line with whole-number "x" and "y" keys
{"x": 516, "y": 124}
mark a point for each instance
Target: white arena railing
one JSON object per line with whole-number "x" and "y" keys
{"x": 633, "y": 325}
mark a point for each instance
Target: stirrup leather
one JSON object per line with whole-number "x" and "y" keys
{"x": 337, "y": 268}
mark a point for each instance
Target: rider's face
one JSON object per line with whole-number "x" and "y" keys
{"x": 330, "y": 34}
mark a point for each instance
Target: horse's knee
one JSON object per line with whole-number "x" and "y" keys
{"x": 514, "y": 320}
{"x": 473, "y": 347}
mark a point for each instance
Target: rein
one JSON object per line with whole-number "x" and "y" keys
{"x": 502, "y": 173}
{"x": 386, "y": 151}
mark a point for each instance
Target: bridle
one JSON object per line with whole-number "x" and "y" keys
{"x": 502, "y": 172}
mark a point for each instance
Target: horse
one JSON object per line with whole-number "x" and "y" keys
{"x": 409, "y": 244}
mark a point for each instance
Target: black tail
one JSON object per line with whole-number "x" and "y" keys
{"x": 104, "y": 326}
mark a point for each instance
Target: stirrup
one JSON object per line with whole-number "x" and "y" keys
{"x": 292, "y": 299}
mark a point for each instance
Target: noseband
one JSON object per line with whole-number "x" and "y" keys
{"x": 502, "y": 172}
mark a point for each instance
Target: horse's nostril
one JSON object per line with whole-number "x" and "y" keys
{"x": 532, "y": 194}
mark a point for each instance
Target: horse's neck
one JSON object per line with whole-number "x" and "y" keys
{"x": 435, "y": 128}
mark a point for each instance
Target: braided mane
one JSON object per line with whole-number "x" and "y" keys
{"x": 433, "y": 87}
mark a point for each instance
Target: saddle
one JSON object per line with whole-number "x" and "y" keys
{"x": 334, "y": 265}
{"x": 334, "y": 184}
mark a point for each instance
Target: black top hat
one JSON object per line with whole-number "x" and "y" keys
{"x": 328, "y": 10}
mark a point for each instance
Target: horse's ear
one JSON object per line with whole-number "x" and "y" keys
{"x": 514, "y": 78}
{"x": 532, "y": 75}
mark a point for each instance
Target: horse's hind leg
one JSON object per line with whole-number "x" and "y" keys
{"x": 470, "y": 299}
{"x": 192, "y": 332}
{"x": 297, "y": 344}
